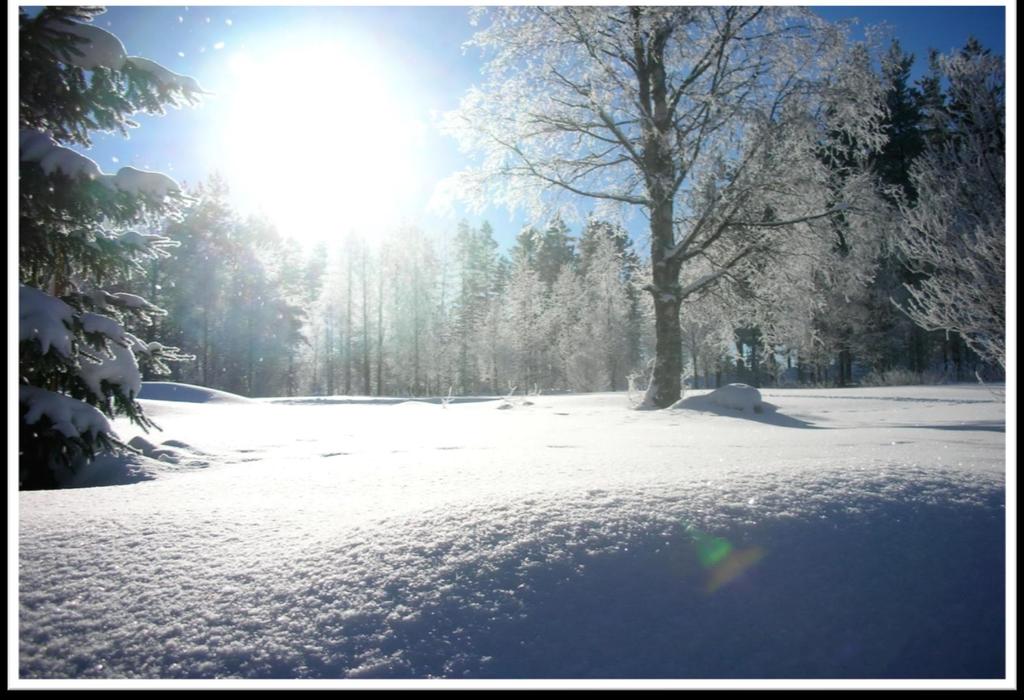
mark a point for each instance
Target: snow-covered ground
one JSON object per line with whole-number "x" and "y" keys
{"x": 853, "y": 533}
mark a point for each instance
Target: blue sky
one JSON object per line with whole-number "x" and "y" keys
{"x": 402, "y": 65}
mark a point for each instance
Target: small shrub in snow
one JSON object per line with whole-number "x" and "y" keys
{"x": 902, "y": 377}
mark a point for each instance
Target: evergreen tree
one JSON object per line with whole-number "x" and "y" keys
{"x": 78, "y": 237}
{"x": 196, "y": 277}
{"x": 476, "y": 251}
{"x": 527, "y": 303}
{"x": 903, "y": 123}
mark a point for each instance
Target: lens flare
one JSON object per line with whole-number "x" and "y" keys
{"x": 722, "y": 562}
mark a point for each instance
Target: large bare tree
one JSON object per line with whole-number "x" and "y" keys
{"x": 722, "y": 125}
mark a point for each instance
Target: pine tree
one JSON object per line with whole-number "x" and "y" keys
{"x": 527, "y": 303}
{"x": 196, "y": 281}
{"x": 476, "y": 251}
{"x": 80, "y": 232}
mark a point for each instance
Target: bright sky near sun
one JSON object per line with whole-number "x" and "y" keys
{"x": 325, "y": 118}
{"x": 315, "y": 135}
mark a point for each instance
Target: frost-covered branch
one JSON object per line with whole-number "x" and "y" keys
{"x": 954, "y": 235}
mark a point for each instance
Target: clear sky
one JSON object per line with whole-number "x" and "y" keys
{"x": 353, "y": 94}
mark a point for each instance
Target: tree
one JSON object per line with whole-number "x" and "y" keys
{"x": 78, "y": 364}
{"x": 954, "y": 235}
{"x": 605, "y": 317}
{"x": 197, "y": 275}
{"x": 708, "y": 119}
{"x": 476, "y": 252}
{"x": 527, "y": 307}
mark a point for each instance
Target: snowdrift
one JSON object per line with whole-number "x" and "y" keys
{"x": 573, "y": 538}
{"x": 171, "y": 391}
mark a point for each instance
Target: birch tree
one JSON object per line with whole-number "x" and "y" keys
{"x": 708, "y": 120}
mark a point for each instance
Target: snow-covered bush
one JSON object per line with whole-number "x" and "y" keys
{"x": 78, "y": 364}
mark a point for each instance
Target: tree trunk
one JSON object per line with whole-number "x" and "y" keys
{"x": 204, "y": 352}
{"x": 665, "y": 388}
{"x": 366, "y": 332}
{"x": 660, "y": 174}
{"x": 380, "y": 330}
{"x": 329, "y": 351}
{"x": 348, "y": 330}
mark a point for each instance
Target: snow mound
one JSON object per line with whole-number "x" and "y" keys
{"x": 736, "y": 397}
{"x": 165, "y": 452}
{"x": 189, "y": 393}
{"x": 741, "y": 397}
{"x": 126, "y": 468}
{"x": 111, "y": 470}
{"x": 414, "y": 405}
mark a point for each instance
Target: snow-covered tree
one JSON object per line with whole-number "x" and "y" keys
{"x": 527, "y": 314}
{"x": 606, "y": 315}
{"x": 476, "y": 252}
{"x": 708, "y": 119}
{"x": 954, "y": 235}
{"x": 81, "y": 231}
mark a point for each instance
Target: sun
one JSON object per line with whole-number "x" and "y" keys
{"x": 317, "y": 138}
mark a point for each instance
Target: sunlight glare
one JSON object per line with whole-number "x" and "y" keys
{"x": 317, "y": 140}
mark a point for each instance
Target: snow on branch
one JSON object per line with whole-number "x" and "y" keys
{"x": 35, "y": 146}
{"x": 168, "y": 80}
{"x": 95, "y": 48}
{"x": 954, "y": 236}
{"x": 70, "y": 417}
{"x": 45, "y": 319}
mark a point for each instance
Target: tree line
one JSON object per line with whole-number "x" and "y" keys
{"x": 407, "y": 313}
{"x": 402, "y": 313}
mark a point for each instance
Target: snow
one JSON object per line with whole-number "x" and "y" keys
{"x": 738, "y": 397}
{"x": 104, "y": 50}
{"x": 132, "y": 301}
{"x": 121, "y": 371}
{"x": 69, "y": 162}
{"x": 33, "y": 145}
{"x": 167, "y": 79}
{"x": 98, "y": 323}
{"x": 135, "y": 181}
{"x": 854, "y": 533}
{"x": 45, "y": 319}
{"x": 70, "y": 417}
{"x": 100, "y": 48}
{"x": 173, "y": 391}
{"x": 36, "y": 146}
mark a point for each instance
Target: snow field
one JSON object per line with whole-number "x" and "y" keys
{"x": 855, "y": 533}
